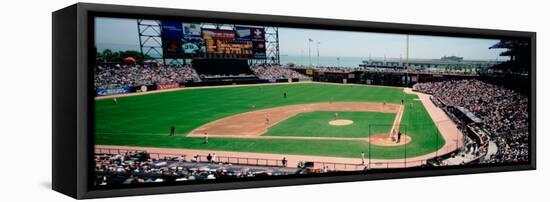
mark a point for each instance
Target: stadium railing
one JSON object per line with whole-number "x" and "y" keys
{"x": 199, "y": 158}
{"x": 332, "y": 166}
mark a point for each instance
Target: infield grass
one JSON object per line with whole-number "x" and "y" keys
{"x": 145, "y": 120}
{"x": 316, "y": 124}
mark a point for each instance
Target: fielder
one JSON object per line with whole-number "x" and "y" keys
{"x": 362, "y": 158}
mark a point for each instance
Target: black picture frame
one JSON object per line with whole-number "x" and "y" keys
{"x": 72, "y": 97}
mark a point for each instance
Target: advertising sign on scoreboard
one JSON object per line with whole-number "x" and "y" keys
{"x": 172, "y": 35}
{"x": 259, "y": 49}
{"x": 191, "y": 31}
{"x": 250, "y": 33}
{"x": 257, "y": 36}
{"x": 193, "y": 44}
{"x": 243, "y": 33}
{"x": 217, "y": 34}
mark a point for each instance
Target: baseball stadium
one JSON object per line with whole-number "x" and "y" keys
{"x": 224, "y": 104}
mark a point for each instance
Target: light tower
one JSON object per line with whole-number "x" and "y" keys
{"x": 272, "y": 45}
{"x": 150, "y": 39}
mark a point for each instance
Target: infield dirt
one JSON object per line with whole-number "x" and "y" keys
{"x": 257, "y": 122}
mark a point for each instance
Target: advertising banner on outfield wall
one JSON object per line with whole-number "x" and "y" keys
{"x": 167, "y": 86}
{"x": 113, "y": 91}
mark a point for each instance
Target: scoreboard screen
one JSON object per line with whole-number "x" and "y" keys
{"x": 190, "y": 40}
{"x": 234, "y": 49}
{"x": 242, "y": 42}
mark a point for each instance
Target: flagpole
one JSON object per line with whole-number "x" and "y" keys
{"x": 407, "y": 67}
{"x": 318, "y": 53}
{"x": 302, "y": 57}
{"x": 309, "y": 47}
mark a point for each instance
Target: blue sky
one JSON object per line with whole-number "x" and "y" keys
{"x": 122, "y": 34}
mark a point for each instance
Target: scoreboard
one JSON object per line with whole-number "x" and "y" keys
{"x": 190, "y": 40}
{"x": 238, "y": 49}
{"x": 242, "y": 42}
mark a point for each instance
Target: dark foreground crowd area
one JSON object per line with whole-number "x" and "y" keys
{"x": 503, "y": 112}
{"x": 139, "y": 168}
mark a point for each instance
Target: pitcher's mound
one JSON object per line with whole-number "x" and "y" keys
{"x": 340, "y": 122}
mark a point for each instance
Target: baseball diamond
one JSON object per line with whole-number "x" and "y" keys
{"x": 271, "y": 126}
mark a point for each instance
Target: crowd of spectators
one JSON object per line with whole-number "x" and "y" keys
{"x": 502, "y": 111}
{"x": 131, "y": 75}
{"x": 510, "y": 151}
{"x": 117, "y": 75}
{"x": 386, "y": 69}
{"x": 405, "y": 70}
{"x": 417, "y": 70}
{"x": 139, "y": 168}
{"x": 276, "y": 72}
{"x": 339, "y": 69}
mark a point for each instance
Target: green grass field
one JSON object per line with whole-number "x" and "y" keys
{"x": 145, "y": 120}
{"x": 314, "y": 124}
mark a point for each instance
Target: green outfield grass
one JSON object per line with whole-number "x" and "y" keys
{"x": 316, "y": 124}
{"x": 145, "y": 120}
